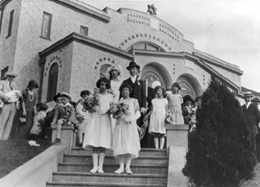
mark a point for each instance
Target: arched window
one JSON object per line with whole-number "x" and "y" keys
{"x": 53, "y": 81}
{"x": 148, "y": 46}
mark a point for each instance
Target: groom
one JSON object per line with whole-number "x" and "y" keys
{"x": 139, "y": 93}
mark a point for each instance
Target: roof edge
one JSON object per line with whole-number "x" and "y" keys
{"x": 218, "y": 62}
{"x": 86, "y": 40}
{"x": 79, "y": 7}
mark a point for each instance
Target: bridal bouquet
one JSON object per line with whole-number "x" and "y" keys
{"x": 90, "y": 103}
{"x": 118, "y": 109}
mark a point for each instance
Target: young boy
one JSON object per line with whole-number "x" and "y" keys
{"x": 38, "y": 123}
{"x": 82, "y": 115}
{"x": 62, "y": 114}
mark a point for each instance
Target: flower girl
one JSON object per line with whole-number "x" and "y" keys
{"x": 126, "y": 142}
{"x": 98, "y": 132}
{"x": 157, "y": 119}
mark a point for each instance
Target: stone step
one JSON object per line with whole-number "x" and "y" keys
{"x": 98, "y": 184}
{"x": 143, "y": 152}
{"x": 110, "y": 178}
{"x": 110, "y": 168}
{"x": 144, "y": 160}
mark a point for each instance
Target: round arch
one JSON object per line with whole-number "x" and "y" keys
{"x": 190, "y": 85}
{"x": 154, "y": 71}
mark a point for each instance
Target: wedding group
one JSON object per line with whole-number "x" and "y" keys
{"x": 118, "y": 115}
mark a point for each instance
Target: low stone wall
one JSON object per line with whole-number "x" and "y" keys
{"x": 37, "y": 171}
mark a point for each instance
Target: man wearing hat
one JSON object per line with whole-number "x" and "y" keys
{"x": 138, "y": 92}
{"x": 63, "y": 114}
{"x": 10, "y": 96}
{"x": 253, "y": 118}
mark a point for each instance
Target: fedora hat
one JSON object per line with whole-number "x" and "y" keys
{"x": 11, "y": 74}
{"x": 65, "y": 94}
{"x": 133, "y": 64}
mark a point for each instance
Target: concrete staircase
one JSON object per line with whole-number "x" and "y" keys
{"x": 150, "y": 170}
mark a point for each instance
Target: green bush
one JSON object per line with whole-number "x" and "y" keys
{"x": 218, "y": 153}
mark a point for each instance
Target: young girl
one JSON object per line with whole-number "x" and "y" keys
{"x": 126, "y": 142}
{"x": 38, "y": 123}
{"x": 175, "y": 101}
{"x": 82, "y": 115}
{"x": 157, "y": 119}
{"x": 98, "y": 133}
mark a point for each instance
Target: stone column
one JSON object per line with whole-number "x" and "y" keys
{"x": 67, "y": 136}
{"x": 177, "y": 144}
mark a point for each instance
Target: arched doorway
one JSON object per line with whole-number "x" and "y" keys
{"x": 190, "y": 85}
{"x": 52, "y": 81}
{"x": 156, "y": 72}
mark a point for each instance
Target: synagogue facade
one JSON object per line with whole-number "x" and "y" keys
{"x": 67, "y": 45}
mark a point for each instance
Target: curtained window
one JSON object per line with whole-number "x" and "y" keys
{"x": 53, "y": 81}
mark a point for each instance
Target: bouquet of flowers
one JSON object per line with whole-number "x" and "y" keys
{"x": 118, "y": 109}
{"x": 169, "y": 119}
{"x": 90, "y": 103}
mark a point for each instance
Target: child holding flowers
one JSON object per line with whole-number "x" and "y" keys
{"x": 157, "y": 119}
{"x": 98, "y": 132}
{"x": 126, "y": 142}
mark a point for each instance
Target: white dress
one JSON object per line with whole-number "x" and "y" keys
{"x": 158, "y": 115}
{"x": 115, "y": 86}
{"x": 126, "y": 138}
{"x": 98, "y": 132}
{"x": 84, "y": 113}
{"x": 174, "y": 108}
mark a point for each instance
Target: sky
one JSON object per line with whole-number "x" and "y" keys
{"x": 227, "y": 29}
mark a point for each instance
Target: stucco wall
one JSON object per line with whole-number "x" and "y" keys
{"x": 63, "y": 58}
{"x": 178, "y": 66}
{"x": 86, "y": 63}
{"x": 29, "y": 42}
{"x": 8, "y": 45}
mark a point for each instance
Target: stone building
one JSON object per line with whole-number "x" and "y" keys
{"x": 67, "y": 44}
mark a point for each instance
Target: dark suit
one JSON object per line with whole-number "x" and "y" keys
{"x": 253, "y": 118}
{"x": 138, "y": 90}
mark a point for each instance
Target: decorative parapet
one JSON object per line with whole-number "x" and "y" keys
{"x": 143, "y": 18}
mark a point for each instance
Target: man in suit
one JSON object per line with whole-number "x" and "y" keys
{"x": 138, "y": 92}
{"x": 252, "y": 114}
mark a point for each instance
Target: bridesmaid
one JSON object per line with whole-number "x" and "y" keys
{"x": 98, "y": 133}
{"x": 126, "y": 142}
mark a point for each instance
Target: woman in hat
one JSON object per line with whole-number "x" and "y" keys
{"x": 10, "y": 97}
{"x": 29, "y": 100}
{"x": 175, "y": 101}
{"x": 98, "y": 133}
{"x": 115, "y": 82}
